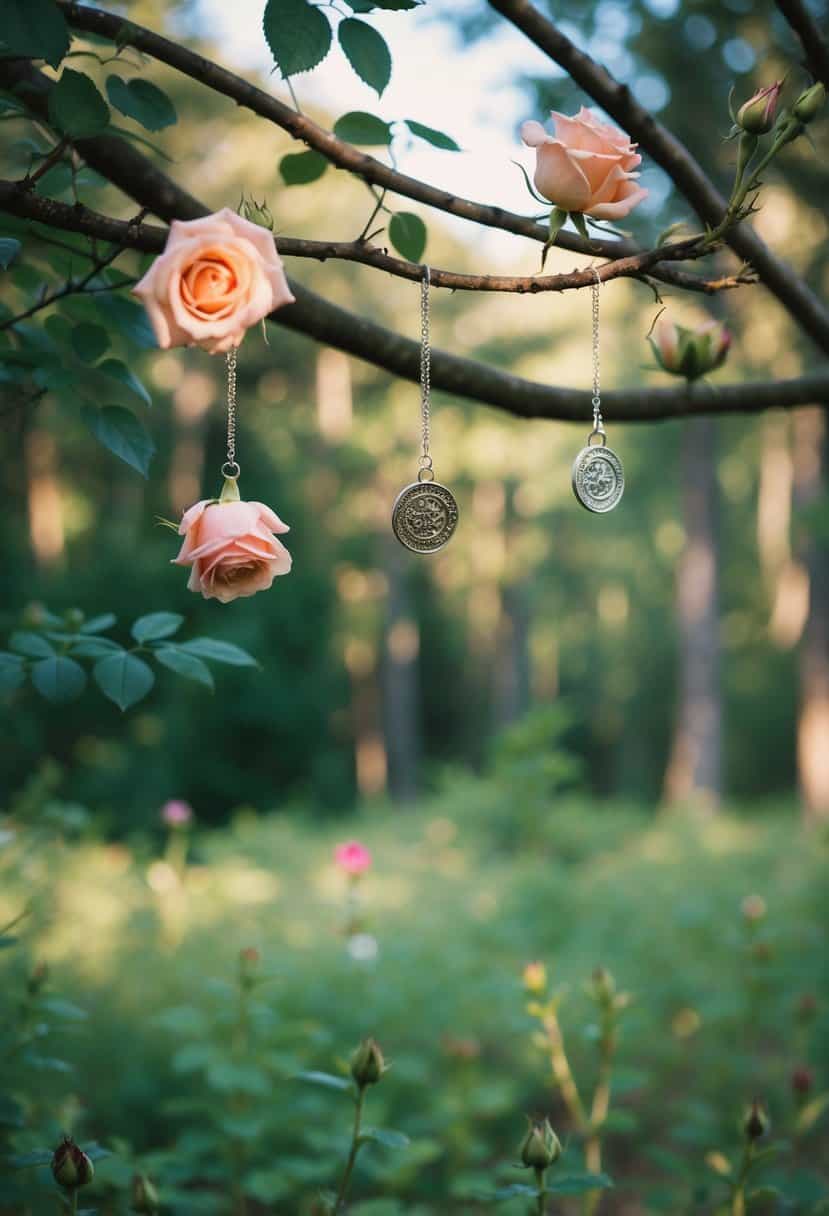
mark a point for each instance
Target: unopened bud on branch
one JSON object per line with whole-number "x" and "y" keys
{"x": 756, "y": 1122}
{"x": 367, "y": 1064}
{"x": 71, "y": 1168}
{"x": 809, "y": 104}
{"x": 541, "y": 1147}
{"x": 757, "y": 114}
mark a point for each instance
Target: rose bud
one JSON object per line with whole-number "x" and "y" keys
{"x": 144, "y": 1196}
{"x": 535, "y": 977}
{"x": 258, "y": 213}
{"x": 367, "y": 1064}
{"x": 71, "y": 1168}
{"x": 756, "y": 1122}
{"x": 802, "y": 1081}
{"x": 757, "y": 114}
{"x": 809, "y": 104}
{"x": 604, "y": 986}
{"x": 177, "y": 813}
{"x": 690, "y": 352}
{"x": 541, "y": 1147}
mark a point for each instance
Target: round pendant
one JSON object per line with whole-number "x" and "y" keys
{"x": 598, "y": 479}
{"x": 424, "y": 516}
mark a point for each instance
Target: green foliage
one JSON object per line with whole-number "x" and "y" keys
{"x": 300, "y": 168}
{"x": 407, "y": 232}
{"x": 122, "y": 433}
{"x": 33, "y": 29}
{"x": 359, "y": 127}
{"x": 49, "y": 650}
{"x": 76, "y": 107}
{"x": 298, "y": 34}
{"x": 142, "y": 100}
{"x": 367, "y": 52}
{"x": 438, "y": 139}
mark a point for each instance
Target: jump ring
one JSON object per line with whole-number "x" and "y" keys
{"x": 426, "y": 474}
{"x": 230, "y": 469}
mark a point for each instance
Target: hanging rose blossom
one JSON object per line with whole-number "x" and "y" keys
{"x": 352, "y": 857}
{"x": 217, "y": 277}
{"x": 586, "y": 167}
{"x": 231, "y": 546}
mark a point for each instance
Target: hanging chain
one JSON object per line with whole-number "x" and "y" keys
{"x": 598, "y": 424}
{"x": 230, "y": 468}
{"x": 425, "y": 461}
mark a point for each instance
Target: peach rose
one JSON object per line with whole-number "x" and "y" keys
{"x": 232, "y": 548}
{"x": 586, "y": 167}
{"x": 216, "y": 277}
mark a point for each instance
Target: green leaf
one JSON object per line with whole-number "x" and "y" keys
{"x": 326, "y": 1079}
{"x": 763, "y": 1194}
{"x": 366, "y": 6}
{"x": 219, "y": 652}
{"x": 439, "y": 139}
{"x": 184, "y": 664}
{"x": 12, "y": 675}
{"x": 119, "y": 371}
{"x": 94, "y": 648}
{"x": 407, "y": 233}
{"x": 33, "y": 645}
{"x": 89, "y": 341}
{"x": 385, "y": 1136}
{"x": 300, "y": 168}
{"x": 359, "y": 127}
{"x": 76, "y": 107}
{"x": 36, "y": 1156}
{"x": 97, "y": 624}
{"x": 60, "y": 1008}
{"x": 156, "y": 625}
{"x": 142, "y": 101}
{"x": 123, "y": 678}
{"x": 59, "y": 679}
{"x": 121, "y": 432}
{"x": 367, "y": 52}
{"x": 578, "y": 1184}
{"x": 128, "y": 318}
{"x": 33, "y": 29}
{"x": 298, "y": 34}
{"x": 9, "y": 249}
{"x": 514, "y": 1190}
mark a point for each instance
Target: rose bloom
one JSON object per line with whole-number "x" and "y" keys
{"x": 352, "y": 857}
{"x": 586, "y": 166}
{"x": 232, "y": 548}
{"x": 176, "y": 813}
{"x": 216, "y": 277}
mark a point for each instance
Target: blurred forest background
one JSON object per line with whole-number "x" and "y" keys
{"x": 676, "y": 650}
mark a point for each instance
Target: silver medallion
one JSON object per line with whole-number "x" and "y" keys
{"x": 598, "y": 478}
{"x": 424, "y": 516}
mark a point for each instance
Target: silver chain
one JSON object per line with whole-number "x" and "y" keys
{"x": 598, "y": 424}
{"x": 425, "y": 377}
{"x": 230, "y": 468}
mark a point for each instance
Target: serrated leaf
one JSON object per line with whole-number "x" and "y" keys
{"x": 184, "y": 664}
{"x": 326, "y": 1079}
{"x": 385, "y": 1136}
{"x": 142, "y": 101}
{"x": 9, "y": 249}
{"x": 76, "y": 107}
{"x": 298, "y": 34}
{"x": 33, "y": 29}
{"x": 360, "y": 127}
{"x": 123, "y": 678}
{"x": 156, "y": 625}
{"x": 119, "y": 371}
{"x": 300, "y": 168}
{"x": 121, "y": 432}
{"x": 59, "y": 679}
{"x": 89, "y": 341}
{"x": 407, "y": 233}
{"x": 438, "y": 139}
{"x": 366, "y": 51}
{"x": 219, "y": 652}
{"x": 33, "y": 645}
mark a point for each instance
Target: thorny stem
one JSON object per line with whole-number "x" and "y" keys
{"x": 352, "y": 1156}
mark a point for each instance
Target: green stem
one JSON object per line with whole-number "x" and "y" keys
{"x": 352, "y": 1156}
{"x": 73, "y": 1201}
{"x": 539, "y": 1183}
{"x": 738, "y": 1198}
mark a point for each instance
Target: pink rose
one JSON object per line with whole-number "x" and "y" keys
{"x": 176, "y": 813}
{"x": 690, "y": 352}
{"x": 352, "y": 857}
{"x": 587, "y": 167}
{"x": 216, "y": 277}
{"x": 232, "y": 548}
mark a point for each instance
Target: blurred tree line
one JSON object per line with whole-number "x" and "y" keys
{"x": 680, "y": 631}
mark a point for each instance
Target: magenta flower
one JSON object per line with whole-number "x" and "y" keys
{"x": 176, "y": 813}
{"x": 352, "y": 857}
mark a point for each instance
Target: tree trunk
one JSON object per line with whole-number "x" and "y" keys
{"x": 813, "y": 717}
{"x": 694, "y": 774}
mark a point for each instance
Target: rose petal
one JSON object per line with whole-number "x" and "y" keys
{"x": 560, "y": 178}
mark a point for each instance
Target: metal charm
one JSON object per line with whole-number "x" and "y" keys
{"x": 425, "y": 513}
{"x": 424, "y": 516}
{"x": 598, "y": 477}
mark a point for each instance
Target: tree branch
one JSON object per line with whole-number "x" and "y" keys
{"x": 815, "y": 45}
{"x": 17, "y": 199}
{"x": 686, "y": 174}
{"x": 345, "y": 155}
{"x": 334, "y": 326}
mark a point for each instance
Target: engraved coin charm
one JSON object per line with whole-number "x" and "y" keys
{"x": 424, "y": 517}
{"x": 425, "y": 513}
{"x": 598, "y": 478}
